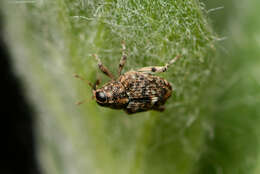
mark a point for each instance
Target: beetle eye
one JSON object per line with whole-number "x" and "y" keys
{"x": 101, "y": 96}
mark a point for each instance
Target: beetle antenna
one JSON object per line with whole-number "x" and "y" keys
{"x": 83, "y": 79}
{"x": 81, "y": 102}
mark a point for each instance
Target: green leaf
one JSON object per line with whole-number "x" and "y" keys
{"x": 52, "y": 40}
{"x": 234, "y": 146}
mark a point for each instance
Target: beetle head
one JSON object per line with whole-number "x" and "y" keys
{"x": 111, "y": 95}
{"x": 101, "y": 96}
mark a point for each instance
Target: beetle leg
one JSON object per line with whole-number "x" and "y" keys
{"x": 103, "y": 68}
{"x": 123, "y": 59}
{"x": 158, "y": 69}
{"x": 160, "y": 108}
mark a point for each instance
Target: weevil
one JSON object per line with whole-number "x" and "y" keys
{"x": 133, "y": 91}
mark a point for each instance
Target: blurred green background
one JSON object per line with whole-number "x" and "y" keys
{"x": 211, "y": 121}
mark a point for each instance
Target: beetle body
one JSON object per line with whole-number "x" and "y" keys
{"x": 135, "y": 92}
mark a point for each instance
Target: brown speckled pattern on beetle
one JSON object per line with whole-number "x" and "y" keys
{"x": 145, "y": 91}
{"x": 136, "y": 92}
{"x": 133, "y": 91}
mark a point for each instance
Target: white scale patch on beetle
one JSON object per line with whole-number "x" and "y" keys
{"x": 133, "y": 91}
{"x": 154, "y": 100}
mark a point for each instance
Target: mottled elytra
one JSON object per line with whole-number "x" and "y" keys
{"x": 133, "y": 91}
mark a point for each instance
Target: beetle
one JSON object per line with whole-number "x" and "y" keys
{"x": 133, "y": 91}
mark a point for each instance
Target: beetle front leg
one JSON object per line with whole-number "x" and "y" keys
{"x": 103, "y": 68}
{"x": 123, "y": 59}
{"x": 158, "y": 69}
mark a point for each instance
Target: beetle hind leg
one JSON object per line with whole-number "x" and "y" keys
{"x": 159, "y": 109}
{"x": 123, "y": 59}
{"x": 158, "y": 69}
